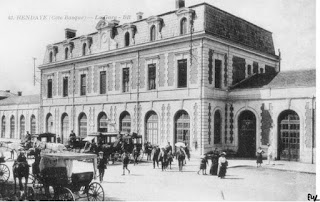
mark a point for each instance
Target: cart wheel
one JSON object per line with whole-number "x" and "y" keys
{"x": 95, "y": 192}
{"x": 65, "y": 194}
{"x": 4, "y": 173}
{"x": 30, "y": 194}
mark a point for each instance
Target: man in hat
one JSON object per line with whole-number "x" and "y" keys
{"x": 125, "y": 162}
{"x": 102, "y": 165}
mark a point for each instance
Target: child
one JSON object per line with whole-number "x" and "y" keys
{"x": 125, "y": 161}
{"x": 203, "y": 165}
{"x": 102, "y": 165}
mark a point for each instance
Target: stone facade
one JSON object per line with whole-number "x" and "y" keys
{"x": 171, "y": 89}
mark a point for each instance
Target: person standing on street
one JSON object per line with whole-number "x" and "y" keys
{"x": 203, "y": 165}
{"x": 125, "y": 161}
{"x": 102, "y": 165}
{"x": 214, "y": 162}
{"x": 223, "y": 164}
{"x": 259, "y": 156}
{"x": 270, "y": 154}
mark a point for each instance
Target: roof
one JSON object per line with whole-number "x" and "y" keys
{"x": 285, "y": 79}
{"x": 6, "y": 94}
{"x": 70, "y": 155}
{"x": 19, "y": 100}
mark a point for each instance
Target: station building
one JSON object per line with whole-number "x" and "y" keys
{"x": 196, "y": 74}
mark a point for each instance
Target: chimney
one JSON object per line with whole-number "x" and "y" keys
{"x": 70, "y": 33}
{"x": 19, "y": 93}
{"x": 139, "y": 16}
{"x": 8, "y": 91}
{"x": 180, "y": 4}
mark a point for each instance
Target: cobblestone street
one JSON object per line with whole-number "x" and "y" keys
{"x": 241, "y": 183}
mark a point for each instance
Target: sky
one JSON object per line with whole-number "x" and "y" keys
{"x": 292, "y": 22}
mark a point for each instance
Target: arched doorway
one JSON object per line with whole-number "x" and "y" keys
{"x": 247, "y": 134}
{"x": 83, "y": 125}
{"x": 64, "y": 128}
{"x": 49, "y": 123}
{"x": 182, "y": 127}
{"x": 125, "y": 122}
{"x": 151, "y": 123}
{"x": 102, "y": 122}
{"x": 289, "y": 136}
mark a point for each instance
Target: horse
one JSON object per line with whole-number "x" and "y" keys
{"x": 20, "y": 170}
{"x": 181, "y": 157}
{"x": 155, "y": 156}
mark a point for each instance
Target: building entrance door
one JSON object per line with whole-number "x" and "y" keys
{"x": 182, "y": 127}
{"x": 289, "y": 136}
{"x": 247, "y": 134}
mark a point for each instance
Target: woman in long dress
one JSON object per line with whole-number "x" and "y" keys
{"x": 259, "y": 156}
{"x": 214, "y": 163}
{"x": 223, "y": 163}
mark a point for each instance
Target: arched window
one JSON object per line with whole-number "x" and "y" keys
{"x": 64, "y": 127}
{"x": 289, "y": 136}
{"x": 217, "y": 127}
{"x": 66, "y": 53}
{"x": 84, "y": 49}
{"x": 153, "y": 33}
{"x": 182, "y": 127}
{"x": 183, "y": 26}
{"x": 12, "y": 127}
{"x": 102, "y": 122}
{"x": 127, "y": 39}
{"x": 151, "y": 124}
{"x": 33, "y": 124}
{"x": 125, "y": 122}
{"x": 49, "y": 123}
{"x": 50, "y": 56}
{"x": 83, "y": 125}
{"x": 3, "y": 127}
{"x": 22, "y": 126}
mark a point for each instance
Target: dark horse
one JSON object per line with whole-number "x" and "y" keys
{"x": 20, "y": 170}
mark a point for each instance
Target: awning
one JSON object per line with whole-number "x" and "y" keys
{"x": 88, "y": 138}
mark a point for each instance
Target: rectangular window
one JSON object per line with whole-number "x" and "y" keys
{"x": 125, "y": 79}
{"x": 255, "y": 67}
{"x": 217, "y": 74}
{"x": 65, "y": 86}
{"x": 182, "y": 73}
{"x": 83, "y": 84}
{"x": 103, "y": 82}
{"x": 238, "y": 70}
{"x": 152, "y": 76}
{"x": 49, "y": 88}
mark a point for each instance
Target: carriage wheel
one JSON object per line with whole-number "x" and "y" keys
{"x": 4, "y": 173}
{"x": 30, "y": 194}
{"x": 65, "y": 194}
{"x": 95, "y": 192}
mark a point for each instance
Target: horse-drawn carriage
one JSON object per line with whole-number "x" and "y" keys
{"x": 59, "y": 181}
{"x": 4, "y": 170}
